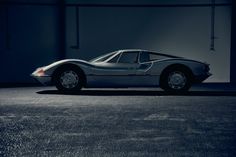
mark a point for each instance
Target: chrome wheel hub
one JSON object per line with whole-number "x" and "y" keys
{"x": 176, "y": 80}
{"x": 69, "y": 79}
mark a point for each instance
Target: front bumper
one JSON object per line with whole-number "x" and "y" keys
{"x": 41, "y": 76}
{"x": 45, "y": 80}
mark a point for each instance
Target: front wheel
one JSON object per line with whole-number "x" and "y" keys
{"x": 68, "y": 79}
{"x": 176, "y": 79}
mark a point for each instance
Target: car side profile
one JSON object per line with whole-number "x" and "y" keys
{"x": 124, "y": 68}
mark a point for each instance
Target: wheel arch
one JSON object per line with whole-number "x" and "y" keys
{"x": 69, "y": 65}
{"x": 174, "y": 66}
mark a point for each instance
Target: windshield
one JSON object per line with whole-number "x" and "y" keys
{"x": 103, "y": 57}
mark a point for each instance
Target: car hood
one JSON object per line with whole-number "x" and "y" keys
{"x": 64, "y": 61}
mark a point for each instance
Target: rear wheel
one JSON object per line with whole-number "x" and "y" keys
{"x": 176, "y": 79}
{"x": 68, "y": 79}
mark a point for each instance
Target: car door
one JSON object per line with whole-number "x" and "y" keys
{"x": 144, "y": 76}
{"x": 119, "y": 71}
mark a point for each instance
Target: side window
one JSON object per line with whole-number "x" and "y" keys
{"x": 144, "y": 57}
{"x": 129, "y": 57}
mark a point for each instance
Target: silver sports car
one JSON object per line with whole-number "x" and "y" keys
{"x": 124, "y": 68}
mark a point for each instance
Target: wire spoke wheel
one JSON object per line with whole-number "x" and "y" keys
{"x": 177, "y": 80}
{"x": 69, "y": 79}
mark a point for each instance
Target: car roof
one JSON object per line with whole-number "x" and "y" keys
{"x": 161, "y": 54}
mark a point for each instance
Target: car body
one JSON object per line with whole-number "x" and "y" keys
{"x": 124, "y": 68}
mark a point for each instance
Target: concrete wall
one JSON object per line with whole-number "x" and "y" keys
{"x": 233, "y": 46}
{"x": 183, "y": 31}
{"x": 30, "y": 33}
{"x": 29, "y": 39}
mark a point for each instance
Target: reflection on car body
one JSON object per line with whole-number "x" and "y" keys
{"x": 124, "y": 68}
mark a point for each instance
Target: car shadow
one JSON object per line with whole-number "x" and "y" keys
{"x": 138, "y": 93}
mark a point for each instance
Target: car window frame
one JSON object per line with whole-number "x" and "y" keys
{"x": 95, "y": 60}
{"x": 140, "y": 57}
{"x": 113, "y": 56}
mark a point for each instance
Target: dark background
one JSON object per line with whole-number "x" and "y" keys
{"x": 35, "y": 33}
{"x": 41, "y": 121}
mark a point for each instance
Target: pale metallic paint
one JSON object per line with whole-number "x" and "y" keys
{"x": 105, "y": 74}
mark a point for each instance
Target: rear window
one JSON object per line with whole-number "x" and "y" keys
{"x": 149, "y": 56}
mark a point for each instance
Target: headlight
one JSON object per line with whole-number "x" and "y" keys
{"x": 39, "y": 72}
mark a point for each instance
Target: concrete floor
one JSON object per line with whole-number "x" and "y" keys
{"x": 40, "y": 121}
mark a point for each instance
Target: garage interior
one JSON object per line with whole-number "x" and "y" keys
{"x": 40, "y": 121}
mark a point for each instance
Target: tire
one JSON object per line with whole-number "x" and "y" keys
{"x": 68, "y": 78}
{"x": 176, "y": 79}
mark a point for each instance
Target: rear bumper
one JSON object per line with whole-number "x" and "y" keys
{"x": 45, "y": 80}
{"x": 201, "y": 78}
